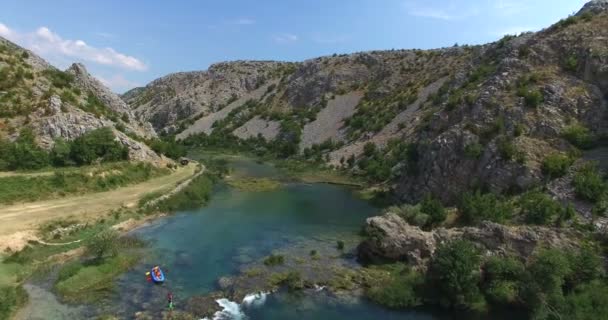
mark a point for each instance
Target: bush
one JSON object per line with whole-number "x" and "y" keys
{"x": 396, "y": 287}
{"x": 503, "y": 279}
{"x": 548, "y": 270}
{"x": 60, "y": 154}
{"x": 58, "y": 78}
{"x": 340, "y": 245}
{"x": 507, "y": 149}
{"x": 10, "y": 299}
{"x": 473, "y": 150}
{"x": 97, "y": 144}
{"x": 587, "y": 302}
{"x": 369, "y": 149}
{"x": 454, "y": 272}
{"x": 104, "y": 244}
{"x": 412, "y": 214}
{"x": 579, "y": 136}
{"x": 556, "y": 165}
{"x": 434, "y": 209}
{"x": 476, "y": 207}
{"x": 274, "y": 260}
{"x": 589, "y": 183}
{"x": 571, "y": 63}
{"x": 538, "y": 208}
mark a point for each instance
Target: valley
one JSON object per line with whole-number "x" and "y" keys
{"x": 465, "y": 182}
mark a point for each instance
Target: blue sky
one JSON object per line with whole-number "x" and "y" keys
{"x": 129, "y": 43}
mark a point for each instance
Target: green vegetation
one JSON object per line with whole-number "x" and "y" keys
{"x": 395, "y": 286}
{"x": 527, "y": 88}
{"x": 168, "y": 147}
{"x": 476, "y": 207}
{"x": 375, "y": 113}
{"x": 274, "y": 260}
{"x": 556, "y": 165}
{"x": 94, "y": 146}
{"x": 58, "y": 78}
{"x": 11, "y": 298}
{"x": 340, "y": 245}
{"x": 103, "y": 244}
{"x": 377, "y": 165}
{"x": 90, "y": 281}
{"x": 428, "y": 213}
{"x": 473, "y": 150}
{"x": 434, "y": 209}
{"x": 579, "y": 136}
{"x": 539, "y": 208}
{"x": 69, "y": 182}
{"x": 254, "y": 184}
{"x": 503, "y": 280}
{"x": 454, "y": 272}
{"x": 196, "y": 194}
{"x": 589, "y": 183}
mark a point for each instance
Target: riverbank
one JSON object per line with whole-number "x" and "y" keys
{"x": 52, "y": 239}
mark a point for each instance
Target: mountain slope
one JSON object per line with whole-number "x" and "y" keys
{"x": 436, "y": 121}
{"x": 56, "y": 104}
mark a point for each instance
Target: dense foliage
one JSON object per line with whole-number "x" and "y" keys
{"x": 95, "y": 145}
{"x": 589, "y": 183}
{"x": 476, "y": 207}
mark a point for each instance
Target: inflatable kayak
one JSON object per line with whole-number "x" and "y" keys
{"x": 157, "y": 275}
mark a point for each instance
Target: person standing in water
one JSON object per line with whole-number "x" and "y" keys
{"x": 170, "y": 300}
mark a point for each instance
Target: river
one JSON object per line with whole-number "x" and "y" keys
{"x": 233, "y": 231}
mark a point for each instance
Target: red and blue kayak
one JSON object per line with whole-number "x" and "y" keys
{"x": 157, "y": 275}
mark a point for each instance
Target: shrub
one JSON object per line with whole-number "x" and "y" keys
{"x": 556, "y": 165}
{"x": 503, "y": 279}
{"x": 579, "y": 136}
{"x": 369, "y": 149}
{"x": 587, "y": 302}
{"x": 548, "y": 270}
{"x": 10, "y": 299}
{"x": 340, "y": 245}
{"x": 60, "y": 154}
{"x": 454, "y": 272}
{"x": 571, "y": 63}
{"x": 58, "y": 78}
{"x": 97, "y": 144}
{"x": 105, "y": 243}
{"x": 473, "y": 150}
{"x": 396, "y": 287}
{"x": 434, "y": 209}
{"x": 539, "y": 208}
{"x": 274, "y": 260}
{"x": 589, "y": 183}
{"x": 412, "y": 214}
{"x": 507, "y": 149}
{"x": 476, "y": 207}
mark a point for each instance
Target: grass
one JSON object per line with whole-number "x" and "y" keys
{"x": 64, "y": 183}
{"x": 85, "y": 282}
{"x": 254, "y": 184}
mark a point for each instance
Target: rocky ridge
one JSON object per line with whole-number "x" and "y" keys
{"x": 391, "y": 238}
{"x": 58, "y": 104}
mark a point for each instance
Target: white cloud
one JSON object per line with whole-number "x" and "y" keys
{"x": 118, "y": 82}
{"x": 243, "y": 21}
{"x": 50, "y": 45}
{"x": 285, "y": 38}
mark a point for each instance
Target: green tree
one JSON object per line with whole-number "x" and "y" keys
{"x": 105, "y": 243}
{"x": 476, "y": 207}
{"x": 454, "y": 272}
{"x": 539, "y": 208}
{"x": 60, "y": 154}
{"x": 97, "y": 144}
{"x": 434, "y": 209}
{"x": 503, "y": 279}
{"x": 547, "y": 273}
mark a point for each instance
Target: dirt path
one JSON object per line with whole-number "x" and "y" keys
{"x": 23, "y": 216}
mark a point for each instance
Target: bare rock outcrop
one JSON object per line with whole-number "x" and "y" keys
{"x": 391, "y": 238}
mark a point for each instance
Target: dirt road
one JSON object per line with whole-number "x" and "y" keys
{"x": 24, "y": 216}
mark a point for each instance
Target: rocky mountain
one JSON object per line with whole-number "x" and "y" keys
{"x": 442, "y": 121}
{"x": 57, "y": 104}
